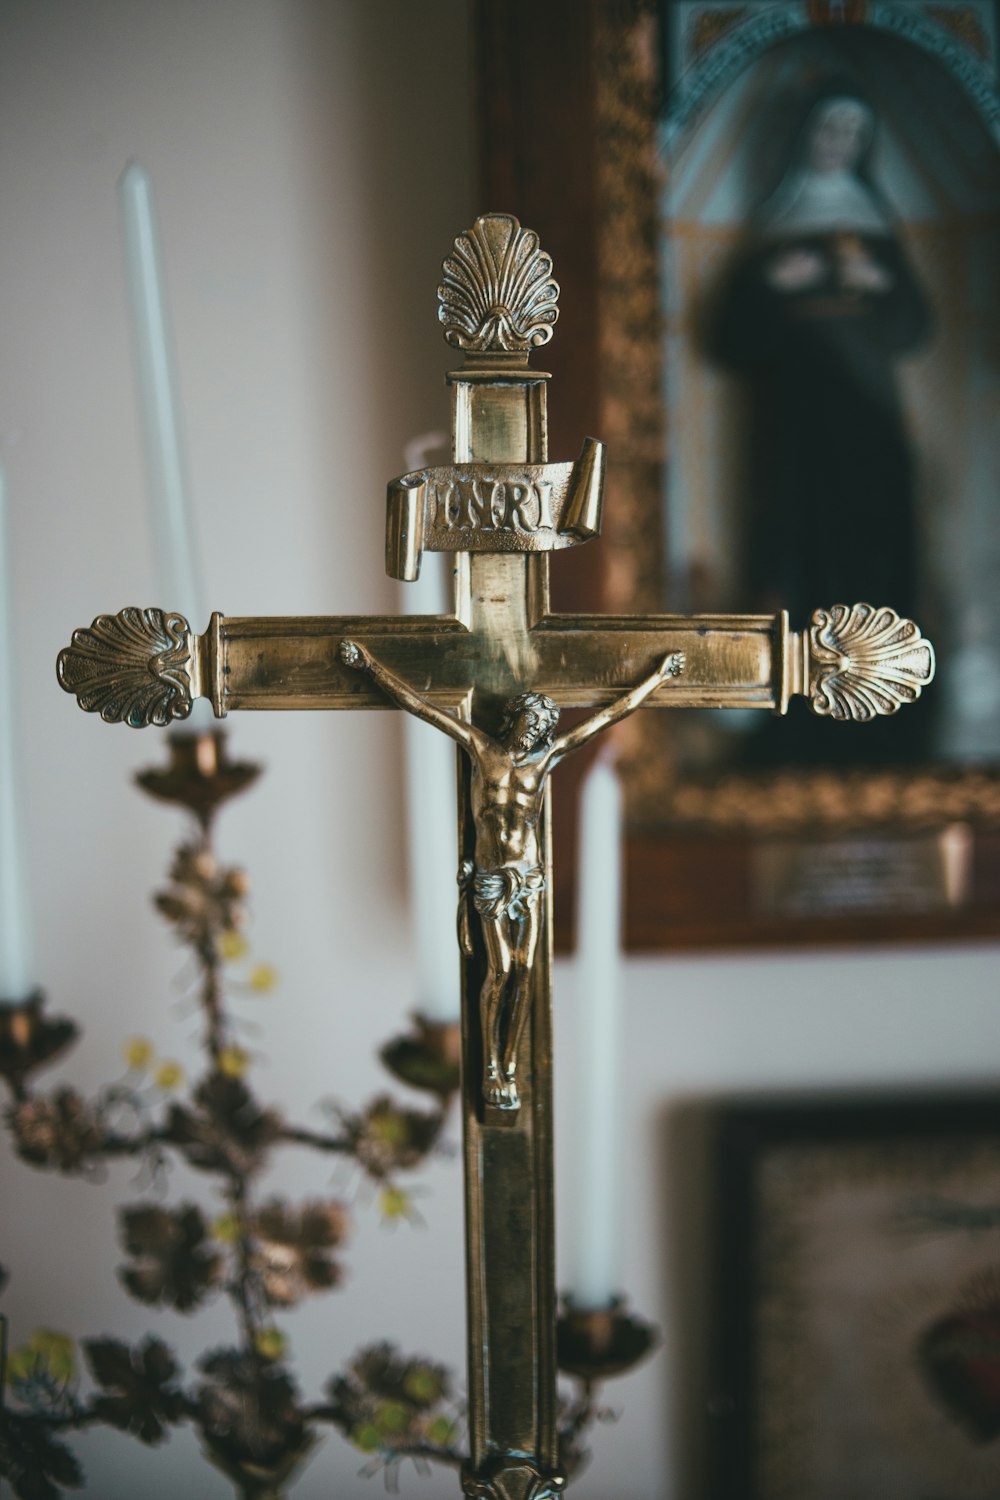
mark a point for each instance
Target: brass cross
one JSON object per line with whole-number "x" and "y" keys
{"x": 499, "y": 508}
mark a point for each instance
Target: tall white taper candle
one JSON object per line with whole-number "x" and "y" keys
{"x": 178, "y": 572}
{"x": 17, "y": 976}
{"x": 430, "y": 806}
{"x": 594, "y": 1250}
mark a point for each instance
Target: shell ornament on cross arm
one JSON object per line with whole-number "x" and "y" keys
{"x": 498, "y": 294}
{"x": 865, "y": 661}
{"x": 132, "y": 668}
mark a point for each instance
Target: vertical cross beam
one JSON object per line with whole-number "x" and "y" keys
{"x": 499, "y": 416}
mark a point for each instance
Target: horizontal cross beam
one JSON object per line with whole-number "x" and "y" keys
{"x": 146, "y": 666}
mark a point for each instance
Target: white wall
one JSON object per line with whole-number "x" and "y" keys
{"x": 312, "y": 163}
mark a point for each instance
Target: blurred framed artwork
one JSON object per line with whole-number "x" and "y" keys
{"x": 777, "y": 226}
{"x": 858, "y": 1297}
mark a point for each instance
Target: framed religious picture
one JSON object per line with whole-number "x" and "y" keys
{"x": 778, "y": 224}
{"x": 858, "y": 1301}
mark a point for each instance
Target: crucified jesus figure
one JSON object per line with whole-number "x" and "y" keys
{"x": 506, "y": 879}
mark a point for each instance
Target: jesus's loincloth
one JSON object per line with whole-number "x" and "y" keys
{"x": 506, "y": 891}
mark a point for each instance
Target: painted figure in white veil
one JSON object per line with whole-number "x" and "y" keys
{"x": 819, "y": 311}
{"x": 505, "y": 881}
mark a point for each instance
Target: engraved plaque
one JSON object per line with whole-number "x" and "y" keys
{"x": 863, "y": 873}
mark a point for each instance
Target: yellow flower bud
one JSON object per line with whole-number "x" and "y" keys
{"x": 441, "y": 1432}
{"x": 46, "y": 1352}
{"x": 270, "y": 1343}
{"x": 366, "y": 1437}
{"x": 391, "y": 1418}
{"x": 263, "y": 977}
{"x": 389, "y": 1128}
{"x": 232, "y": 945}
{"x": 22, "y": 1363}
{"x": 169, "y": 1075}
{"x": 422, "y": 1385}
{"x": 138, "y": 1052}
{"x": 394, "y": 1203}
{"x": 227, "y": 1229}
{"x": 233, "y": 1062}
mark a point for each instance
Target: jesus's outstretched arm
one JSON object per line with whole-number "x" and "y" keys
{"x": 580, "y": 734}
{"x": 353, "y": 654}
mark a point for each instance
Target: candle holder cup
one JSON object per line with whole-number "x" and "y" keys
{"x": 199, "y": 775}
{"x": 29, "y": 1039}
{"x": 594, "y": 1344}
{"x": 427, "y": 1057}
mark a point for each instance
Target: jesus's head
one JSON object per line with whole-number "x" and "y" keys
{"x": 528, "y": 722}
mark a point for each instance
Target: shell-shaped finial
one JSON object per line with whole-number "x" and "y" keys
{"x": 131, "y": 668}
{"x": 498, "y": 294}
{"x": 865, "y": 662}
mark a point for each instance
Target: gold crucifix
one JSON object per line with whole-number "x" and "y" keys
{"x": 494, "y": 675}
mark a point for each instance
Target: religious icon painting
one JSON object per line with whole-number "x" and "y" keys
{"x": 859, "y": 1302}
{"x": 831, "y": 228}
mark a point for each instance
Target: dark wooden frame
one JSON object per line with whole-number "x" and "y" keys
{"x": 545, "y": 129}
{"x": 743, "y": 1137}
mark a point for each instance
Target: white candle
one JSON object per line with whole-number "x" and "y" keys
{"x": 595, "y": 1235}
{"x": 430, "y": 805}
{"x": 178, "y": 573}
{"x": 17, "y": 976}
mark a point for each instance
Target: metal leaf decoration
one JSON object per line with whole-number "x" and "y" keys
{"x": 131, "y": 668}
{"x": 498, "y": 293}
{"x": 866, "y": 662}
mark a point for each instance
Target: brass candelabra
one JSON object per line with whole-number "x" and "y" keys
{"x": 253, "y": 1425}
